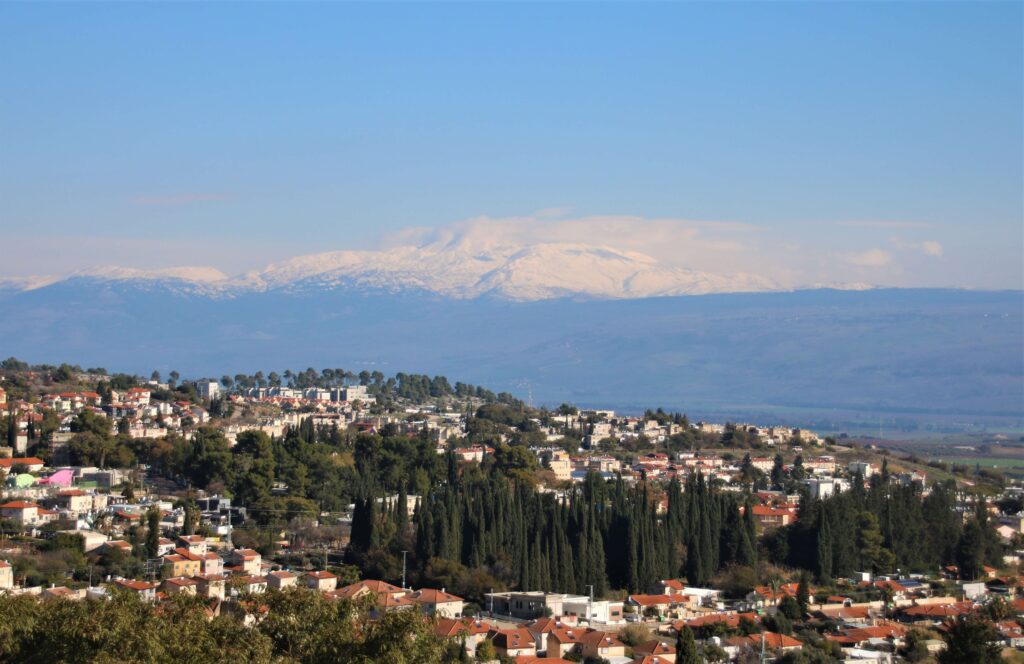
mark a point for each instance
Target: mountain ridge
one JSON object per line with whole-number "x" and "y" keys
{"x": 459, "y": 270}
{"x": 921, "y": 355}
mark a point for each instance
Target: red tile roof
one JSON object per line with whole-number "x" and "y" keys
{"x": 771, "y": 640}
{"x": 18, "y": 505}
{"x": 450, "y": 627}
{"x": 652, "y": 600}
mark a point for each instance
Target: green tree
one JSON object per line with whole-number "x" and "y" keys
{"x": 915, "y": 648}
{"x": 686, "y": 647}
{"x": 873, "y": 554}
{"x": 485, "y": 651}
{"x": 970, "y": 639}
{"x": 803, "y": 593}
{"x": 790, "y": 608}
{"x": 152, "y": 532}
{"x": 191, "y": 517}
{"x": 254, "y": 454}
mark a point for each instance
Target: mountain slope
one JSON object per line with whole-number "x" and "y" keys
{"x": 915, "y": 355}
{"x": 455, "y": 270}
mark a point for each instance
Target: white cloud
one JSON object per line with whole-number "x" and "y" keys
{"x": 927, "y": 247}
{"x": 882, "y": 223}
{"x": 870, "y": 258}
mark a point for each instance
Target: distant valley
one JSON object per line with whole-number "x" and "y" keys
{"x": 939, "y": 357}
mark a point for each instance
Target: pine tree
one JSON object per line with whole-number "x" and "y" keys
{"x": 686, "y": 647}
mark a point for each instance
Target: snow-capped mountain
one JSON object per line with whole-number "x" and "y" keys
{"x": 457, "y": 270}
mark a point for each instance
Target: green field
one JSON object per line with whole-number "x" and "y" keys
{"x": 1002, "y": 463}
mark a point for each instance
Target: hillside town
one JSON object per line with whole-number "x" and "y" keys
{"x": 110, "y": 488}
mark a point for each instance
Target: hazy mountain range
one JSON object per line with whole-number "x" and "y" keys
{"x": 458, "y": 269}
{"x": 571, "y": 322}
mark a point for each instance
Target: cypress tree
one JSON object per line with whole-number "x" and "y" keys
{"x": 686, "y": 647}
{"x": 401, "y": 515}
{"x": 152, "y": 532}
{"x": 824, "y": 549}
{"x": 803, "y": 594}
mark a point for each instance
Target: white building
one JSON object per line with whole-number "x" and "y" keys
{"x": 208, "y": 389}
{"x": 602, "y": 611}
{"x": 6, "y": 575}
{"x": 825, "y": 487}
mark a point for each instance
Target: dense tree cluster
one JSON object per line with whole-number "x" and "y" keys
{"x": 885, "y": 527}
{"x": 601, "y": 535}
{"x": 298, "y": 626}
{"x": 413, "y": 387}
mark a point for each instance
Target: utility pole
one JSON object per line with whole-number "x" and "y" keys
{"x": 403, "y": 564}
{"x": 492, "y": 602}
{"x": 590, "y": 603}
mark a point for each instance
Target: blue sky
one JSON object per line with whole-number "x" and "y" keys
{"x": 872, "y": 141}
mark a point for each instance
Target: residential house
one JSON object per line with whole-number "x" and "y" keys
{"x": 561, "y": 641}
{"x": 246, "y": 561}
{"x": 181, "y": 563}
{"x": 652, "y": 605}
{"x": 25, "y": 513}
{"x": 561, "y": 465}
{"x": 729, "y": 620}
{"x": 61, "y": 592}
{"x": 361, "y": 588}
{"x": 211, "y": 585}
{"x": 771, "y": 641}
{"x": 773, "y": 517}
{"x": 74, "y": 501}
{"x": 513, "y": 642}
{"x": 656, "y": 648}
{"x": 211, "y": 563}
{"x": 933, "y": 614}
{"x": 608, "y": 612}
{"x": 437, "y": 602}
{"x": 529, "y": 604}
{"x": 29, "y": 464}
{"x": 144, "y": 589}
{"x": 252, "y": 584}
{"x": 196, "y": 544}
{"x": 121, "y": 546}
{"x": 91, "y": 539}
{"x": 889, "y": 636}
{"x": 179, "y": 584}
{"x": 1010, "y": 631}
{"x": 164, "y": 546}
{"x": 388, "y": 602}
{"x": 471, "y": 632}
{"x": 668, "y": 587}
{"x": 320, "y": 581}
{"x": 540, "y": 629}
{"x": 762, "y": 595}
{"x": 281, "y": 579}
{"x": 595, "y": 643}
